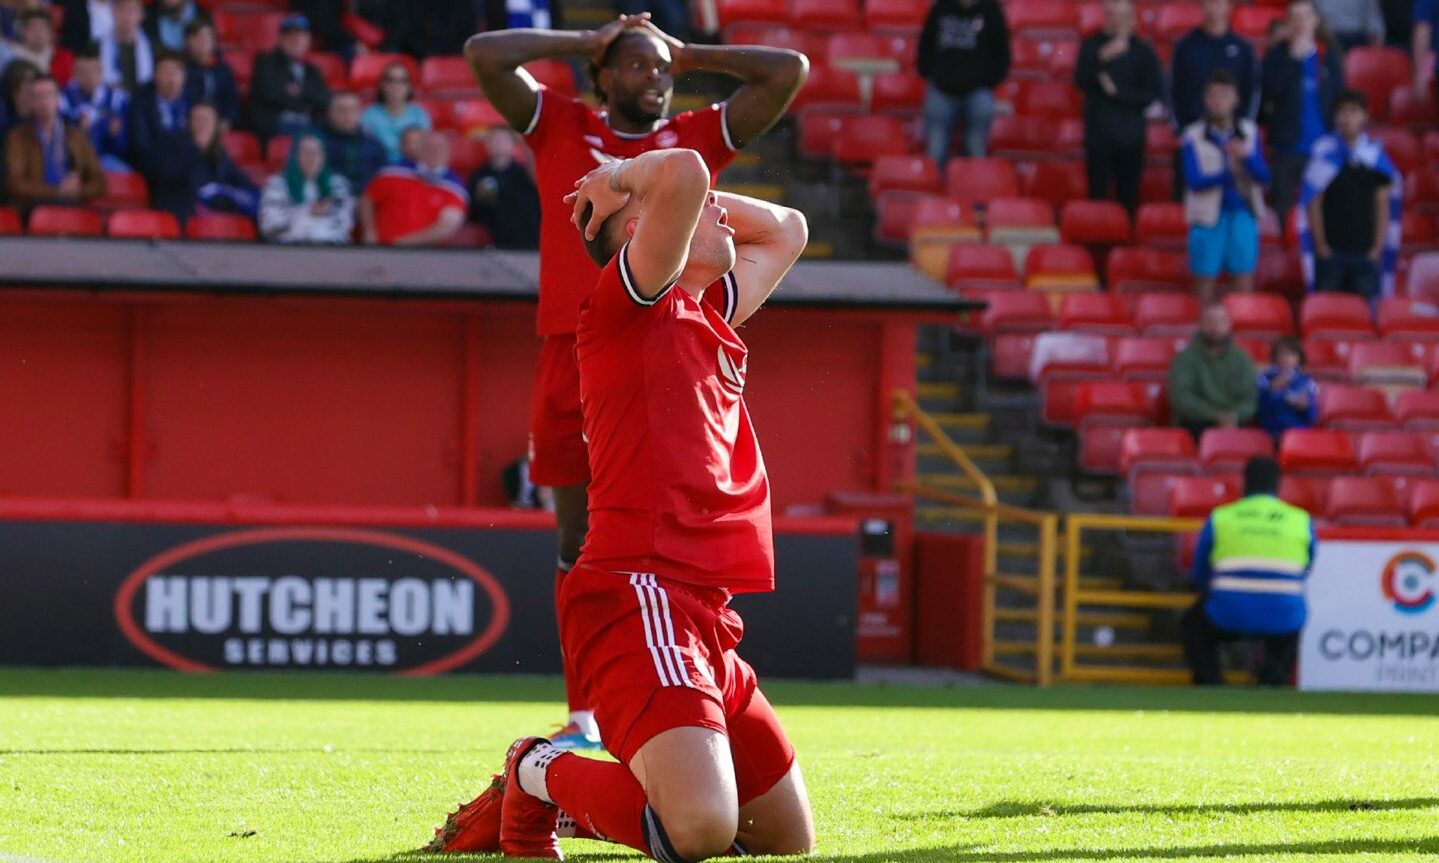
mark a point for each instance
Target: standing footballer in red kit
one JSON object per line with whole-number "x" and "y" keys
{"x": 634, "y": 66}
{"x": 679, "y": 522}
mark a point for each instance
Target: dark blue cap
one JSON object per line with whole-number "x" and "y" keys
{"x": 295, "y": 22}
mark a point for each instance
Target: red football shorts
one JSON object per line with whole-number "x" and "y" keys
{"x": 558, "y": 455}
{"x": 656, "y": 654}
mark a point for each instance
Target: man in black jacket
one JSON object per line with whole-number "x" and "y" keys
{"x": 159, "y": 116}
{"x": 349, "y": 149}
{"x": 1120, "y": 76}
{"x": 964, "y": 55}
{"x": 287, "y": 94}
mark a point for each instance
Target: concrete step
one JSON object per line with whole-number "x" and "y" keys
{"x": 1133, "y": 623}
{"x": 976, "y": 451}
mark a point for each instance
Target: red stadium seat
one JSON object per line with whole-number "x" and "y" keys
{"x": 1417, "y": 410}
{"x": 1055, "y": 182}
{"x": 1160, "y": 144}
{"x": 733, "y": 12}
{"x": 870, "y": 53}
{"x": 1054, "y": 100}
{"x": 1141, "y": 358}
{"x": 365, "y": 71}
{"x": 1390, "y": 453}
{"x": 243, "y": 147}
{"x": 1415, "y": 111}
{"x": 1094, "y": 223}
{"x": 1141, "y": 270}
{"x": 337, "y": 72}
{"x": 1226, "y": 450}
{"x": 1023, "y": 138}
{"x": 1010, "y": 355}
{"x": 1259, "y": 315}
{"x": 55, "y": 221}
{"x": 1316, "y": 451}
{"x": 1423, "y": 282}
{"x": 251, "y": 31}
{"x": 1364, "y": 502}
{"x": 1335, "y": 316}
{"x": 1402, "y": 146}
{"x": 903, "y": 173}
{"x": 1175, "y": 20}
{"x": 554, "y": 73}
{"x": 1152, "y": 459}
{"x": 1042, "y": 19}
{"x": 1327, "y": 360}
{"x": 905, "y": 16}
{"x": 1253, "y": 22}
{"x": 1019, "y": 214}
{"x": 983, "y": 267}
{"x": 1061, "y": 361}
{"x": 144, "y": 225}
{"x": 825, "y": 15}
{"x": 1069, "y": 145}
{"x": 1033, "y": 59}
{"x": 220, "y": 227}
{"x": 1401, "y": 318}
{"x": 1063, "y": 57}
{"x": 1059, "y": 268}
{"x": 1423, "y": 509}
{"x": 1104, "y": 411}
{"x": 1279, "y": 273}
{"x": 466, "y": 154}
{"x": 894, "y": 214}
{"x": 450, "y": 76}
{"x": 811, "y": 45}
{"x": 243, "y": 65}
{"x": 1377, "y": 72}
{"x": 10, "y": 222}
{"x": 1258, "y": 349}
{"x": 939, "y": 224}
{"x": 1387, "y": 364}
{"x": 828, "y": 88}
{"x": 1416, "y": 231}
{"x": 1197, "y": 496}
{"x": 1166, "y": 314}
{"x": 1421, "y": 191}
{"x": 1015, "y": 312}
{"x": 1309, "y": 493}
{"x": 818, "y": 130}
{"x": 1095, "y": 312}
{"x": 864, "y": 138}
{"x": 1090, "y": 16}
{"x": 1353, "y": 408}
{"x": 900, "y": 93}
{"x": 123, "y": 191}
{"x": 277, "y": 152}
{"x": 471, "y": 117}
{"x": 979, "y": 181}
{"x": 1162, "y": 225}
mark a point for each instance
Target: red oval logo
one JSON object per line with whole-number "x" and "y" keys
{"x": 262, "y": 614}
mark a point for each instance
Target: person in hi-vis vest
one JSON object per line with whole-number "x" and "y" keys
{"x": 1249, "y": 568}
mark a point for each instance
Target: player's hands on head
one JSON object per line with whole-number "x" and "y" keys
{"x": 677, "y": 48}
{"x": 611, "y": 31}
{"x": 597, "y": 189}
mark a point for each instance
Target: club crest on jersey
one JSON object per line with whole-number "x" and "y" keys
{"x": 667, "y": 139}
{"x": 732, "y": 376}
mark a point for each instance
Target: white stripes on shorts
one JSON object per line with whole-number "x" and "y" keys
{"x": 660, "y": 630}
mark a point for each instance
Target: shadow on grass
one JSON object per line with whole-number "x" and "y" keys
{"x": 1017, "y": 809}
{"x": 512, "y": 689}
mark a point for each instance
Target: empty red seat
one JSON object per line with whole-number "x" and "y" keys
{"x": 1054, "y": 182}
{"x": 895, "y": 15}
{"x": 1049, "y": 267}
{"x": 1055, "y": 100}
{"x": 1152, "y": 459}
{"x": 1327, "y": 359}
{"x": 818, "y": 130}
{"x": 366, "y": 69}
{"x": 553, "y": 73}
{"x": 1353, "y": 408}
{"x": 828, "y": 88}
{"x": 812, "y": 45}
{"x": 1166, "y": 314}
{"x": 1364, "y": 502}
{"x": 903, "y": 172}
{"x": 451, "y": 75}
{"x": 123, "y": 190}
{"x": 1058, "y": 364}
{"x": 1423, "y": 281}
{"x": 1010, "y": 354}
{"x": 336, "y": 71}
{"x": 1417, "y": 410}
{"x": 1402, "y": 146}
{"x": 243, "y": 147}
{"x": 1197, "y": 496}
{"x": 1309, "y": 493}
{"x": 1279, "y": 273}
{"x": 1094, "y": 223}
{"x": 979, "y": 181}
{"x": 1387, "y": 364}
{"x": 1141, "y": 270}
{"x": 1377, "y": 72}
{"x": 894, "y": 214}
{"x": 1023, "y": 137}
{"x": 1162, "y": 224}
{"x": 825, "y": 15}
{"x": 1331, "y": 315}
{"x": 864, "y": 138}
{"x": 1160, "y": 144}
{"x": 1015, "y": 312}
{"x": 10, "y": 222}
{"x": 1040, "y": 19}
{"x": 223, "y": 227}
{"x": 1412, "y": 109}
{"x": 899, "y": 93}
{"x": 1142, "y": 358}
{"x": 1095, "y": 312}
{"x": 56, "y": 221}
{"x": 250, "y": 30}
{"x": 1253, "y": 22}
{"x": 472, "y": 117}
{"x": 1003, "y": 214}
{"x": 1090, "y": 15}
{"x": 1404, "y": 453}
{"x": 144, "y": 225}
{"x": 1316, "y": 451}
{"x": 1174, "y": 20}
{"x": 1423, "y": 508}
{"x": 1259, "y": 315}
{"x": 1403, "y": 318}
{"x": 277, "y": 152}
{"x": 732, "y": 12}
{"x": 974, "y": 266}
{"x": 1104, "y": 410}
{"x": 1229, "y": 449}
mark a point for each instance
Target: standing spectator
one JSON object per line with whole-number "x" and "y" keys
{"x": 1301, "y": 76}
{"x": 307, "y": 203}
{"x": 37, "y": 44}
{"x": 85, "y": 22}
{"x": 167, "y": 21}
{"x": 1353, "y": 22}
{"x": 1350, "y": 202}
{"x": 1212, "y": 45}
{"x": 287, "y": 94}
{"x": 1211, "y": 382}
{"x": 395, "y": 110}
{"x": 198, "y": 173}
{"x": 159, "y": 117}
{"x": 1424, "y": 46}
{"x": 47, "y": 161}
{"x": 963, "y": 55}
{"x": 208, "y": 78}
{"x": 415, "y": 204}
{"x": 503, "y": 197}
{"x": 1120, "y": 76}
{"x": 1288, "y": 398}
{"x": 126, "y": 54}
{"x": 99, "y": 109}
{"x": 1224, "y": 178}
{"x": 349, "y": 150}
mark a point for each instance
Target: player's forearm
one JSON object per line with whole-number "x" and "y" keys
{"x": 510, "y": 49}
{"x": 675, "y": 173}
{"x": 760, "y": 223}
{"x": 750, "y": 64}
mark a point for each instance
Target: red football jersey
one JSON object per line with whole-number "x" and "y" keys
{"x": 570, "y": 140}
{"x": 679, "y": 486}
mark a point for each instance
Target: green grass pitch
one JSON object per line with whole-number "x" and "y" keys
{"x": 153, "y": 766}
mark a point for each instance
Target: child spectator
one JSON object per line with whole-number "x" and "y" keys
{"x": 1288, "y": 398}
{"x": 395, "y": 111}
{"x": 199, "y": 174}
{"x": 99, "y": 109}
{"x": 208, "y": 78}
{"x": 307, "y": 203}
{"x": 503, "y": 195}
{"x": 126, "y": 54}
{"x": 415, "y": 204}
{"x": 47, "y": 161}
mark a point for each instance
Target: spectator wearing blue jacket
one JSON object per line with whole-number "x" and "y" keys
{"x": 101, "y": 109}
{"x": 1249, "y": 569}
{"x": 1288, "y": 398}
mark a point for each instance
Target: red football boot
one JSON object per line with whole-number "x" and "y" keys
{"x": 474, "y": 828}
{"x": 527, "y": 823}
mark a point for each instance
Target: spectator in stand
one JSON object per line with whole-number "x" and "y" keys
{"x": 308, "y": 203}
{"x": 37, "y": 44}
{"x": 208, "y": 78}
{"x": 198, "y": 174}
{"x": 412, "y": 142}
{"x": 327, "y": 24}
{"x": 1120, "y": 76}
{"x": 395, "y": 110}
{"x": 1224, "y": 179}
{"x": 1301, "y": 76}
{"x": 503, "y": 196}
{"x": 46, "y": 161}
{"x": 100, "y": 110}
{"x": 85, "y": 22}
{"x": 1288, "y": 398}
{"x": 1398, "y": 22}
{"x": 349, "y": 150}
{"x": 1353, "y": 22}
{"x": 15, "y": 83}
{"x": 159, "y": 118}
{"x": 1350, "y": 202}
{"x": 1211, "y": 381}
{"x": 963, "y": 55}
{"x": 126, "y": 54}
{"x": 415, "y": 204}
{"x": 1212, "y": 45}
{"x": 1424, "y": 46}
{"x": 167, "y": 22}
{"x": 287, "y": 94}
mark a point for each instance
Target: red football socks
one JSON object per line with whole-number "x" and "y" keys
{"x": 603, "y": 798}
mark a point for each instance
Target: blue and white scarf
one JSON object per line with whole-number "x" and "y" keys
{"x": 1328, "y": 158}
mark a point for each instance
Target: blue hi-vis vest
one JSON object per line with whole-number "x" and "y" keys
{"x": 1258, "y": 561}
